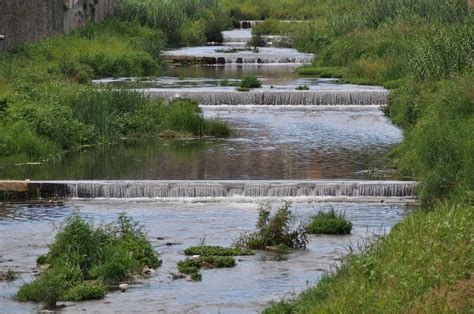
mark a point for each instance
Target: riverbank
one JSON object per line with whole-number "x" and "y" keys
{"x": 48, "y": 106}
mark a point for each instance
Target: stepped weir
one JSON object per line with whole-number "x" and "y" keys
{"x": 223, "y": 189}
{"x": 213, "y": 97}
{"x": 212, "y": 55}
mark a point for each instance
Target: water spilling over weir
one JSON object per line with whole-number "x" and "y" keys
{"x": 223, "y": 189}
{"x": 216, "y": 96}
{"x": 222, "y": 55}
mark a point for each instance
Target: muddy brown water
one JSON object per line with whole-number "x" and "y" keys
{"x": 248, "y": 288}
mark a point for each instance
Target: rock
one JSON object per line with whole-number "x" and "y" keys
{"x": 177, "y": 276}
{"x": 123, "y": 287}
{"x": 196, "y": 256}
{"x": 148, "y": 271}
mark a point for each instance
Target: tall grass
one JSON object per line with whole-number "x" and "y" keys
{"x": 172, "y": 16}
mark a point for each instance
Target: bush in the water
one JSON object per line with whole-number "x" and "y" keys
{"x": 85, "y": 259}
{"x": 191, "y": 266}
{"x": 251, "y": 82}
{"x": 274, "y": 232}
{"x": 330, "y": 222}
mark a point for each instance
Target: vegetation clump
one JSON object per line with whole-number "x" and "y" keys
{"x": 9, "y": 275}
{"x": 330, "y": 222}
{"x": 274, "y": 231}
{"x": 192, "y": 266}
{"x": 84, "y": 260}
{"x": 302, "y": 87}
{"x": 250, "y": 82}
{"x": 206, "y": 250}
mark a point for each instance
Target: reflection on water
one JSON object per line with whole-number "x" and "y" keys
{"x": 248, "y": 287}
{"x": 288, "y": 143}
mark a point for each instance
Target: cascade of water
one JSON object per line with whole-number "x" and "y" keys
{"x": 207, "y": 97}
{"x": 216, "y": 189}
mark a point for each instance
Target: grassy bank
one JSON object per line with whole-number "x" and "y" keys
{"x": 48, "y": 105}
{"x": 423, "y": 52}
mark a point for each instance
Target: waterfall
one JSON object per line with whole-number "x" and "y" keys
{"x": 222, "y": 189}
{"x": 208, "y": 97}
{"x": 218, "y": 55}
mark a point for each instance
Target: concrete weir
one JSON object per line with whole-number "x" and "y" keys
{"x": 275, "y": 97}
{"x": 216, "y": 189}
{"x": 220, "y": 55}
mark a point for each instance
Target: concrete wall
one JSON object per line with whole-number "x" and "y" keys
{"x": 24, "y": 21}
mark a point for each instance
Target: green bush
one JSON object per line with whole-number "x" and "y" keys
{"x": 83, "y": 259}
{"x": 250, "y": 82}
{"x": 330, "y": 222}
{"x": 274, "y": 231}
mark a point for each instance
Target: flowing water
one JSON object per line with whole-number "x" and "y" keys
{"x": 269, "y": 144}
{"x": 247, "y": 288}
{"x": 303, "y": 145}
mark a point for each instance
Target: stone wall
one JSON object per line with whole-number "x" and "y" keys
{"x": 23, "y": 21}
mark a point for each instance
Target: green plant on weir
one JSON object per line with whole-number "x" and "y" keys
{"x": 250, "y": 82}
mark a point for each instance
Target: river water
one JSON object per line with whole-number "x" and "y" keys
{"x": 247, "y": 288}
{"x": 278, "y": 142}
{"x": 268, "y": 144}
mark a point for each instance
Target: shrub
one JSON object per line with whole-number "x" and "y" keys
{"x": 84, "y": 258}
{"x": 274, "y": 231}
{"x": 329, "y": 222}
{"x": 250, "y": 82}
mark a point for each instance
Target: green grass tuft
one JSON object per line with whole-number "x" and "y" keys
{"x": 330, "y": 222}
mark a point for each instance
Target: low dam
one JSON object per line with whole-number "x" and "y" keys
{"x": 212, "y": 55}
{"x": 275, "y": 97}
{"x": 216, "y": 189}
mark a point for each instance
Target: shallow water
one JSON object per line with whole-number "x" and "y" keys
{"x": 268, "y": 144}
{"x": 247, "y": 288}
